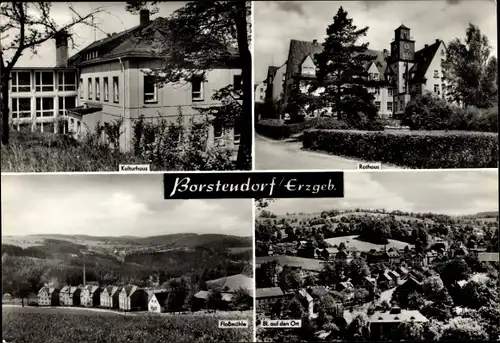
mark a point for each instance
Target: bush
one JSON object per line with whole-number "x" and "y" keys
{"x": 432, "y": 113}
{"x": 410, "y": 149}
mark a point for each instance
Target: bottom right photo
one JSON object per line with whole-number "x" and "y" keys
{"x": 403, "y": 256}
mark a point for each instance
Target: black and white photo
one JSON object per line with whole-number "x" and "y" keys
{"x": 105, "y": 258}
{"x": 375, "y": 85}
{"x": 404, "y": 256}
{"x": 89, "y": 86}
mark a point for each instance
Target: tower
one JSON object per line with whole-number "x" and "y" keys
{"x": 402, "y": 60}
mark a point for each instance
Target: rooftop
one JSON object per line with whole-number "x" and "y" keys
{"x": 268, "y": 292}
{"x": 392, "y": 316}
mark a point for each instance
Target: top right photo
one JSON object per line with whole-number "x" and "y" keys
{"x": 344, "y": 85}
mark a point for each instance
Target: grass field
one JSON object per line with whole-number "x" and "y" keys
{"x": 354, "y": 242}
{"x": 292, "y": 261}
{"x": 27, "y": 325}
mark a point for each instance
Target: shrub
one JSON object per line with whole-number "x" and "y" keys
{"x": 173, "y": 146}
{"x": 410, "y": 149}
{"x": 432, "y": 113}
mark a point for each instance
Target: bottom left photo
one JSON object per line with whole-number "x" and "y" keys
{"x": 105, "y": 258}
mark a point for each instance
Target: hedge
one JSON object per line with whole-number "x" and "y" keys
{"x": 412, "y": 149}
{"x": 276, "y": 129}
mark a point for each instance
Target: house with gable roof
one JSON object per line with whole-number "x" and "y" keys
{"x": 133, "y": 298}
{"x": 48, "y": 296}
{"x": 110, "y": 297}
{"x": 90, "y": 296}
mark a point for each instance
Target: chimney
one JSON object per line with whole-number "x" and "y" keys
{"x": 438, "y": 40}
{"x": 315, "y": 41}
{"x": 144, "y": 15}
{"x": 83, "y": 275}
{"x": 426, "y": 45}
{"x": 61, "y": 39}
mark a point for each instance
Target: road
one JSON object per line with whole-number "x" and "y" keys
{"x": 288, "y": 154}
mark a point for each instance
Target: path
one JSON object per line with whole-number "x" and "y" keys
{"x": 288, "y": 154}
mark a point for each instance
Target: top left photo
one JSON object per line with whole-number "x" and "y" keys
{"x": 126, "y": 86}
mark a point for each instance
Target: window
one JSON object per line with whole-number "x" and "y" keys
{"x": 442, "y": 53}
{"x": 106, "y": 89}
{"x": 21, "y": 81}
{"x": 370, "y": 76}
{"x": 436, "y": 88}
{"x": 390, "y": 91}
{"x": 67, "y": 81}
{"x": 150, "y": 90}
{"x": 436, "y": 74}
{"x": 197, "y": 89}
{"x": 65, "y": 103}
{"x": 218, "y": 130}
{"x": 116, "y": 90}
{"x": 237, "y": 82}
{"x": 44, "y": 81}
{"x": 97, "y": 89}
{"x": 21, "y": 108}
{"x": 389, "y": 106}
{"x": 377, "y": 104}
{"x": 375, "y": 77}
{"x": 45, "y": 107}
{"x": 401, "y": 106}
{"x": 89, "y": 87}
{"x": 81, "y": 88}
{"x": 377, "y": 91}
{"x": 395, "y": 106}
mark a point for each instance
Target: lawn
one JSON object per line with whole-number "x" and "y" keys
{"x": 292, "y": 261}
{"x": 21, "y": 326}
{"x": 354, "y": 242}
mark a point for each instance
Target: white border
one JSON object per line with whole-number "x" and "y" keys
{"x": 252, "y": 51}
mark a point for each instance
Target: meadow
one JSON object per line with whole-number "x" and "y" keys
{"x": 26, "y": 326}
{"x": 354, "y": 242}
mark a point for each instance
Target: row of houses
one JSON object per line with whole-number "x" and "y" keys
{"x": 134, "y": 298}
{"x": 127, "y": 298}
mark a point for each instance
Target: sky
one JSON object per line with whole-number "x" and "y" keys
{"x": 113, "y": 205}
{"x": 113, "y": 19}
{"x": 446, "y": 192}
{"x": 277, "y": 22}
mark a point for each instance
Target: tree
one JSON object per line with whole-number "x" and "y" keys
{"x": 470, "y": 70}
{"x": 289, "y": 279}
{"x": 476, "y": 295}
{"x": 27, "y": 25}
{"x": 463, "y": 329}
{"x": 409, "y": 331}
{"x": 359, "y": 329}
{"x": 357, "y": 270}
{"x": 421, "y": 239}
{"x": 341, "y": 71}
{"x": 202, "y": 35}
{"x": 242, "y": 299}
{"x": 267, "y": 274}
{"x": 295, "y": 309}
{"x": 328, "y": 308}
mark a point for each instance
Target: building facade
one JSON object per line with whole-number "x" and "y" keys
{"x": 407, "y": 74}
{"x": 48, "y": 296}
{"x": 109, "y": 80}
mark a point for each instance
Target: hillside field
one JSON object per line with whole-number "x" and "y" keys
{"x": 354, "y": 242}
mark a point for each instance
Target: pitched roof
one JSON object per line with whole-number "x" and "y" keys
{"x": 129, "y": 289}
{"x": 138, "y": 41}
{"x": 305, "y": 295}
{"x": 423, "y": 59}
{"x": 391, "y": 317}
{"x": 202, "y": 295}
{"x": 232, "y": 283}
{"x": 65, "y": 289}
{"x": 268, "y": 292}
{"x": 161, "y": 297}
{"x": 402, "y": 26}
{"x": 300, "y": 50}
